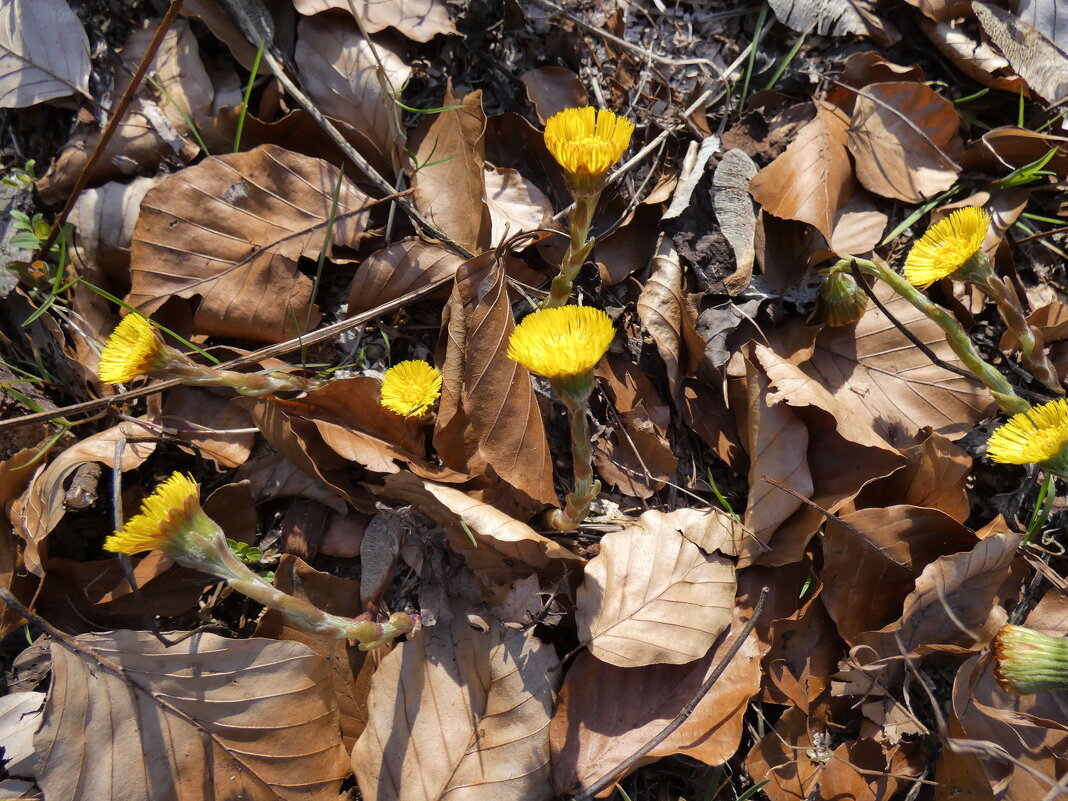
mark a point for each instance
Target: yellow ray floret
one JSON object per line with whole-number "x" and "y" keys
{"x": 587, "y": 141}
{"x": 166, "y": 516}
{"x": 410, "y": 388}
{"x": 947, "y": 246}
{"x": 562, "y": 341}
{"x": 1036, "y": 436}
{"x": 133, "y": 349}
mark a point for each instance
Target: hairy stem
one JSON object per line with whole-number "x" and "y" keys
{"x": 577, "y": 250}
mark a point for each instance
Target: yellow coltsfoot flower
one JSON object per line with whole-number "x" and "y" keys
{"x": 587, "y": 142}
{"x": 410, "y": 388}
{"x": 951, "y": 245}
{"x": 561, "y": 342}
{"x": 134, "y": 348}
{"x": 1038, "y": 436}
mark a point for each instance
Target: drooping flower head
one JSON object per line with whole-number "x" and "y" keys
{"x": 1038, "y": 436}
{"x": 134, "y": 348}
{"x": 410, "y": 388}
{"x": 561, "y": 342}
{"x": 171, "y": 520}
{"x": 587, "y": 141}
{"x": 950, "y": 244}
{"x": 840, "y": 301}
{"x": 1028, "y": 661}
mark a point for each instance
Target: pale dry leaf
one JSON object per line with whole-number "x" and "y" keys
{"x": 515, "y": 205}
{"x": 231, "y": 230}
{"x": 353, "y": 79}
{"x": 460, "y": 713}
{"x": 812, "y": 179}
{"x": 398, "y": 269}
{"x": 905, "y": 139}
{"x": 1048, "y": 18}
{"x": 449, "y": 150}
{"x": 419, "y": 20}
{"x": 379, "y": 548}
{"x": 44, "y": 53}
{"x": 975, "y": 56}
{"x": 552, "y": 89}
{"x": 209, "y": 717}
{"x": 734, "y": 212}
{"x": 653, "y": 597}
{"x": 690, "y": 173}
{"x": 1042, "y": 64}
{"x": 836, "y": 17}
{"x": 40, "y": 508}
{"x": 105, "y": 218}
{"x": 21, "y": 714}
{"x": 859, "y": 226}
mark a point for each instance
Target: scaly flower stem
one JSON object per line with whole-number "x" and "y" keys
{"x": 956, "y": 336}
{"x": 577, "y": 503}
{"x": 306, "y": 616}
{"x": 1030, "y": 338}
{"x": 579, "y": 222}
{"x": 255, "y": 384}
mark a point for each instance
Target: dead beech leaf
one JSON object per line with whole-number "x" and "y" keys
{"x": 905, "y": 139}
{"x": 419, "y": 20}
{"x": 209, "y": 422}
{"x": 460, "y": 713}
{"x": 44, "y": 53}
{"x": 975, "y": 56}
{"x": 489, "y": 416}
{"x": 606, "y": 713}
{"x": 873, "y": 557}
{"x": 14, "y": 476}
{"x": 352, "y": 79}
{"x": 835, "y": 17}
{"x": 449, "y": 182}
{"x": 873, "y": 368}
{"x": 40, "y": 508}
{"x": 653, "y": 597}
{"x": 552, "y": 89}
{"x": 397, "y": 270}
{"x": 105, "y": 218}
{"x": 231, "y": 230}
{"x": 812, "y": 179}
{"x": 636, "y": 457}
{"x": 156, "y": 732}
{"x": 780, "y": 757}
{"x": 1036, "y": 59}
{"x": 859, "y": 225}
{"x": 515, "y": 205}
{"x": 505, "y": 549}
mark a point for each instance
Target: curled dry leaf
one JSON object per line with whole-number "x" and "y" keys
{"x": 653, "y": 597}
{"x": 419, "y": 20}
{"x": 457, "y": 712}
{"x": 353, "y": 79}
{"x": 155, "y": 731}
{"x": 905, "y": 139}
{"x": 976, "y": 57}
{"x": 40, "y": 508}
{"x": 399, "y": 269}
{"x": 552, "y": 89}
{"x": 44, "y": 53}
{"x": 835, "y": 17}
{"x": 1036, "y": 59}
{"x": 231, "y": 231}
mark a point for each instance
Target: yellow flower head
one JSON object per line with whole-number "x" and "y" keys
{"x": 134, "y": 348}
{"x": 947, "y": 246}
{"x": 1039, "y": 435}
{"x": 166, "y": 519}
{"x": 562, "y": 341}
{"x": 410, "y": 388}
{"x": 587, "y": 141}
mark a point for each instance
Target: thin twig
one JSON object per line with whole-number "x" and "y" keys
{"x": 687, "y": 710}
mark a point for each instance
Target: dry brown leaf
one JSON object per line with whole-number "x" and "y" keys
{"x": 636, "y": 457}
{"x": 156, "y": 731}
{"x": 44, "y": 53}
{"x": 1036, "y": 59}
{"x": 350, "y": 683}
{"x": 873, "y": 557}
{"x": 105, "y": 218}
{"x": 653, "y": 597}
{"x": 515, "y": 205}
{"x": 1003, "y": 150}
{"x": 208, "y": 422}
{"x": 552, "y": 89}
{"x": 976, "y": 57}
{"x": 40, "y": 508}
{"x": 875, "y": 370}
{"x": 606, "y": 713}
{"x": 153, "y": 127}
{"x": 942, "y": 10}
{"x": 352, "y": 79}
{"x": 231, "y": 230}
{"x": 836, "y": 17}
{"x": 858, "y": 226}
{"x": 14, "y": 476}
{"x": 449, "y": 183}
{"x": 734, "y": 212}
{"x": 460, "y": 713}
{"x": 812, "y": 179}
{"x": 780, "y": 757}
{"x": 905, "y": 139}
{"x": 804, "y": 654}
{"x": 489, "y": 415}
{"x": 399, "y": 269}
{"x": 628, "y": 248}
{"x": 419, "y": 20}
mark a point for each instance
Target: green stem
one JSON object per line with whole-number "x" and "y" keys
{"x": 577, "y": 503}
{"x": 190, "y": 373}
{"x": 956, "y": 336}
{"x": 1030, "y": 338}
{"x": 578, "y": 249}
